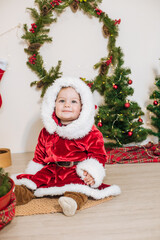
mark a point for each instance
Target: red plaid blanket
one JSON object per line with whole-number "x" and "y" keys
{"x": 7, "y": 214}
{"x": 135, "y": 154}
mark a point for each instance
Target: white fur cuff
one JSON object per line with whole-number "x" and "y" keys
{"x": 3, "y": 64}
{"x": 33, "y": 167}
{"x": 24, "y": 181}
{"x": 94, "y": 168}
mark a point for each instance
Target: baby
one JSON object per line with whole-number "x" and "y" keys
{"x": 70, "y": 157}
{"x": 68, "y": 107}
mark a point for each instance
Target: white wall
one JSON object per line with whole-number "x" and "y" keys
{"x": 78, "y": 42}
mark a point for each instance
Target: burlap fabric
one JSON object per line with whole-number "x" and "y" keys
{"x": 50, "y": 205}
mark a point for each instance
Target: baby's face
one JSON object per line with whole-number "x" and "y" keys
{"x": 68, "y": 105}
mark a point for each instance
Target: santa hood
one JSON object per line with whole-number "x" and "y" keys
{"x": 79, "y": 127}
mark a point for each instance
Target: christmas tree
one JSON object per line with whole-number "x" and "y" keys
{"x": 119, "y": 119}
{"x": 155, "y": 109}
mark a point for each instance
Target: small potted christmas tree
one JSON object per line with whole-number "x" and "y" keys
{"x": 6, "y": 189}
{"x": 7, "y": 199}
{"x": 119, "y": 119}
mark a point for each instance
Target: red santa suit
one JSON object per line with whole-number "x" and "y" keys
{"x": 79, "y": 143}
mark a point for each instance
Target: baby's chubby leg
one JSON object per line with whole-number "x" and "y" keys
{"x": 23, "y": 194}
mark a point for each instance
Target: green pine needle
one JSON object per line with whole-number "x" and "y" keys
{"x": 5, "y": 184}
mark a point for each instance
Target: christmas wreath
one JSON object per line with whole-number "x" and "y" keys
{"x": 115, "y": 117}
{"x": 37, "y": 35}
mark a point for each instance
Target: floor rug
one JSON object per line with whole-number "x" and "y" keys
{"x": 49, "y": 205}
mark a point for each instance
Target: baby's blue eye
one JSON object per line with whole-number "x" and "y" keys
{"x": 61, "y": 101}
{"x": 74, "y": 101}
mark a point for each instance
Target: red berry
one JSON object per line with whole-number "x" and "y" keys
{"x": 90, "y": 85}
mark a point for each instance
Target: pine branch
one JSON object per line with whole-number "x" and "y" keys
{"x": 35, "y": 15}
{"x": 53, "y": 74}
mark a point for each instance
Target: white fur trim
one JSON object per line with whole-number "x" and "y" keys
{"x": 86, "y": 118}
{"x": 3, "y": 64}
{"x": 33, "y": 167}
{"x": 24, "y": 181}
{"x": 94, "y": 168}
{"x": 113, "y": 190}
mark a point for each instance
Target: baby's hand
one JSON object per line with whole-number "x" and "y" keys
{"x": 89, "y": 180}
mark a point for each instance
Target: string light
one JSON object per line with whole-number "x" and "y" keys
{"x": 149, "y": 154}
{"x": 113, "y": 127}
{"x": 9, "y": 30}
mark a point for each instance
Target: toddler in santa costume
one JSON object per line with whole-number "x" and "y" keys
{"x": 70, "y": 157}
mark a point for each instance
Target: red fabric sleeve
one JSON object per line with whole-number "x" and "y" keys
{"x": 40, "y": 151}
{"x": 95, "y": 148}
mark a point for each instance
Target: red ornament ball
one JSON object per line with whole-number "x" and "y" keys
{"x": 140, "y": 120}
{"x": 155, "y": 103}
{"x": 130, "y": 81}
{"x": 115, "y": 86}
{"x": 127, "y": 105}
{"x": 130, "y": 133}
{"x": 100, "y": 124}
{"x": 153, "y": 148}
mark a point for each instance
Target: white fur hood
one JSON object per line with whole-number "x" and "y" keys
{"x": 78, "y": 128}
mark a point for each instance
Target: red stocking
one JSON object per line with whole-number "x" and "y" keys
{"x": 3, "y": 64}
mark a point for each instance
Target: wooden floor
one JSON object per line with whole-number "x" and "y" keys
{"x": 135, "y": 214}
